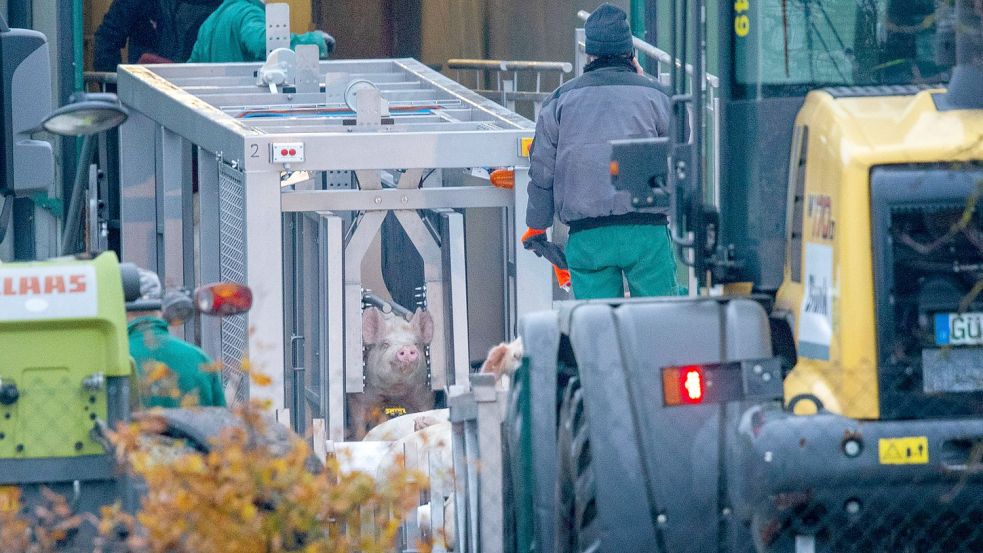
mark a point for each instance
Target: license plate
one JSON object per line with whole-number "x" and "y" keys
{"x": 959, "y": 329}
{"x": 9, "y": 499}
{"x": 952, "y": 370}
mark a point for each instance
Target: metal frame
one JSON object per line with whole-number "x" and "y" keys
{"x": 210, "y": 112}
{"x": 507, "y": 79}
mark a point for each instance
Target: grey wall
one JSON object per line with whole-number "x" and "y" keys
{"x": 536, "y": 29}
{"x": 501, "y": 29}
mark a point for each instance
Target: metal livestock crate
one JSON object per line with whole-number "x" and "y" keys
{"x": 285, "y": 187}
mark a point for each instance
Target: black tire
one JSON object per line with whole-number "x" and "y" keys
{"x": 577, "y": 527}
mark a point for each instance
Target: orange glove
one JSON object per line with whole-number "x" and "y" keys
{"x": 562, "y": 278}
{"x": 532, "y": 232}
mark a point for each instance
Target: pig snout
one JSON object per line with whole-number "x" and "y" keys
{"x": 406, "y": 357}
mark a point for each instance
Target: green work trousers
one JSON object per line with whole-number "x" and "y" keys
{"x": 602, "y": 258}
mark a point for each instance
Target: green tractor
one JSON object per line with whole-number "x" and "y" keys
{"x": 66, "y": 371}
{"x": 67, "y": 377}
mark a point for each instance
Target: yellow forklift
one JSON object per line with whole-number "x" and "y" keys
{"x": 836, "y": 404}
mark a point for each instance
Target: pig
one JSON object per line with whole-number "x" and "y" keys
{"x": 395, "y": 367}
{"x": 405, "y": 425}
{"x": 502, "y": 361}
{"x": 442, "y": 537}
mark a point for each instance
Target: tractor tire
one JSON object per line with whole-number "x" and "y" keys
{"x": 577, "y": 529}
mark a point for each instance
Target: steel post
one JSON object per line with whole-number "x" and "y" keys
{"x": 533, "y": 285}
{"x": 333, "y": 294}
{"x": 208, "y": 246}
{"x": 138, "y": 183}
{"x": 264, "y": 263}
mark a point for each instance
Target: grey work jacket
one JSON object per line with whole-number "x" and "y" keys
{"x": 571, "y": 154}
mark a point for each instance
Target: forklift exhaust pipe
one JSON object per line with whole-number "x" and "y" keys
{"x": 967, "y": 76}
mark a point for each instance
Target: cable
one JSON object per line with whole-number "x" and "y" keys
{"x": 5, "y": 212}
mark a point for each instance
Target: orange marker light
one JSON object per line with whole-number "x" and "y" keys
{"x": 503, "y": 178}
{"x": 615, "y": 168}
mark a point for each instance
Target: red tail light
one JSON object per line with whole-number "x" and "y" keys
{"x": 691, "y": 381}
{"x": 683, "y": 385}
{"x": 223, "y": 299}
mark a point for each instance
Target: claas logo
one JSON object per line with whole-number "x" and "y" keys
{"x": 43, "y": 285}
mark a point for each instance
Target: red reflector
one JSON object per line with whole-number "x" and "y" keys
{"x": 283, "y": 152}
{"x": 691, "y": 384}
{"x": 293, "y": 152}
{"x": 224, "y": 299}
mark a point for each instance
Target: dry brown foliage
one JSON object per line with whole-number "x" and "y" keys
{"x": 245, "y": 495}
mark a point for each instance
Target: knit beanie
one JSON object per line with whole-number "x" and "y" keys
{"x": 607, "y": 32}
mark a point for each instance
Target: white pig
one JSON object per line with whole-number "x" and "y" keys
{"x": 404, "y": 425}
{"x": 395, "y": 367}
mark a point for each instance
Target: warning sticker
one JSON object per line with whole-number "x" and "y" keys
{"x": 816, "y": 314}
{"x": 911, "y": 450}
{"x": 525, "y": 146}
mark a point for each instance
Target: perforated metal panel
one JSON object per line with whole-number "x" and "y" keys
{"x": 232, "y": 233}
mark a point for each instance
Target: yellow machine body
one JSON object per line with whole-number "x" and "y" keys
{"x": 829, "y": 298}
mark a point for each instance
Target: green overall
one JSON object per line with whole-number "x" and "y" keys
{"x": 236, "y": 31}
{"x": 170, "y": 369}
{"x": 600, "y": 259}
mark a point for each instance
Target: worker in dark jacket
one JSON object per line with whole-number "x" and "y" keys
{"x": 166, "y": 29}
{"x": 609, "y": 241}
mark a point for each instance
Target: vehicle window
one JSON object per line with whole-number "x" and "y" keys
{"x": 787, "y": 47}
{"x": 796, "y": 191}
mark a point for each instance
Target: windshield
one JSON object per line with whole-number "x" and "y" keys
{"x": 787, "y": 47}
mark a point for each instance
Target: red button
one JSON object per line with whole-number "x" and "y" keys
{"x": 293, "y": 152}
{"x": 283, "y": 152}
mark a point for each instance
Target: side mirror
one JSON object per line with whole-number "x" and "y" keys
{"x": 641, "y": 167}
{"x": 223, "y": 299}
{"x": 86, "y": 114}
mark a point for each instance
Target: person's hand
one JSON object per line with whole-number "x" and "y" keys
{"x": 535, "y": 241}
{"x": 532, "y": 237}
{"x": 563, "y": 278}
{"x": 329, "y": 43}
{"x": 638, "y": 66}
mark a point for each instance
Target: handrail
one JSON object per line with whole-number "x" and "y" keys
{"x": 100, "y": 77}
{"x": 505, "y": 65}
{"x": 658, "y": 54}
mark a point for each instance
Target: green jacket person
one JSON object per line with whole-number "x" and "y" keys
{"x": 236, "y": 32}
{"x": 171, "y": 372}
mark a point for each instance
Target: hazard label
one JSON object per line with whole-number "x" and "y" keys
{"x": 911, "y": 450}
{"x": 525, "y": 146}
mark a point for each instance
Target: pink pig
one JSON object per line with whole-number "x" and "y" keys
{"x": 395, "y": 367}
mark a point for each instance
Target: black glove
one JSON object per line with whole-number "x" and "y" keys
{"x": 539, "y": 245}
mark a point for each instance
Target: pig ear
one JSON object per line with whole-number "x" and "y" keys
{"x": 373, "y": 326}
{"x": 422, "y": 324}
{"x": 495, "y": 363}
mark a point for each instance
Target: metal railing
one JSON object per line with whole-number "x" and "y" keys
{"x": 507, "y": 89}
